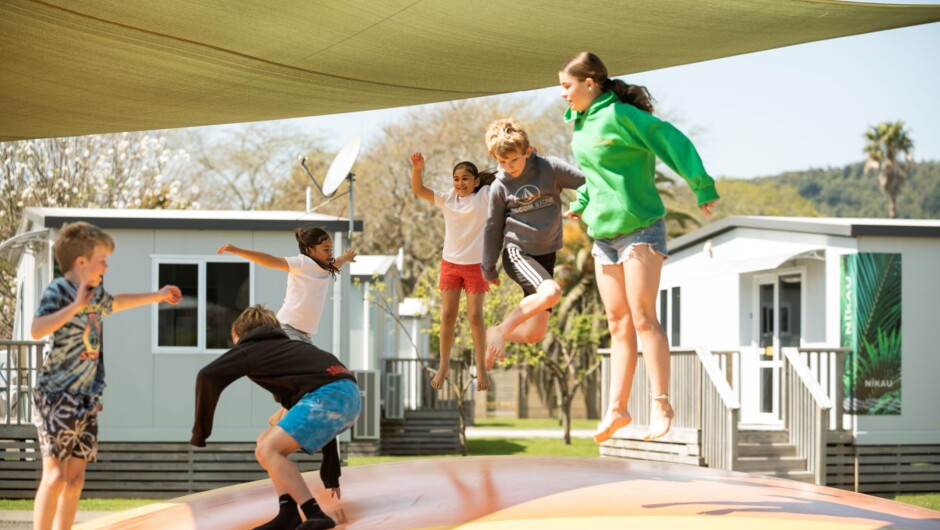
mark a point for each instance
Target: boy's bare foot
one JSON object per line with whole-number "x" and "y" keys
{"x": 613, "y": 421}
{"x": 438, "y": 380}
{"x": 660, "y": 418}
{"x": 495, "y": 346}
{"x": 483, "y": 382}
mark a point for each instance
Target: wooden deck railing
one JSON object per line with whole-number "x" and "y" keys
{"x": 827, "y": 364}
{"x": 720, "y": 409}
{"x": 701, "y": 396}
{"x": 20, "y": 363}
{"x": 805, "y": 412}
{"x": 417, "y": 393}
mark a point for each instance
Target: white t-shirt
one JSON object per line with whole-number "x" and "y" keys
{"x": 307, "y": 285}
{"x": 464, "y": 220}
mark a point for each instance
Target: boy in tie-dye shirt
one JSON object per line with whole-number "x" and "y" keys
{"x": 72, "y": 376}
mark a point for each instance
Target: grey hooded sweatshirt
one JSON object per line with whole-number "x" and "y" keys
{"x": 525, "y": 211}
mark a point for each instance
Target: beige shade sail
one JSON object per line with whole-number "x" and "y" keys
{"x": 96, "y": 66}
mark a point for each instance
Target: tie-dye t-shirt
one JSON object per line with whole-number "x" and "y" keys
{"x": 75, "y": 364}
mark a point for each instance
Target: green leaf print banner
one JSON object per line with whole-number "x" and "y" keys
{"x": 871, "y": 328}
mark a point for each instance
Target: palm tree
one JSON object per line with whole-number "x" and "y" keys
{"x": 889, "y": 151}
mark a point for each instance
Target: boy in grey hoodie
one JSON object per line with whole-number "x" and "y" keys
{"x": 524, "y": 223}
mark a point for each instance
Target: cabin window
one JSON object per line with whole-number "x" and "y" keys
{"x": 214, "y": 294}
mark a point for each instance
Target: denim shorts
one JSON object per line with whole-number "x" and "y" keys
{"x": 295, "y": 334}
{"x": 323, "y": 414}
{"x": 616, "y": 250}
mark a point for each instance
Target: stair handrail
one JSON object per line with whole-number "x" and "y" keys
{"x": 806, "y": 413}
{"x": 720, "y": 412}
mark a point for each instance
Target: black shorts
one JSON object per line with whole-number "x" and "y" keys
{"x": 528, "y": 271}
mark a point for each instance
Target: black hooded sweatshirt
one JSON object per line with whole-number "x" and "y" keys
{"x": 288, "y": 369}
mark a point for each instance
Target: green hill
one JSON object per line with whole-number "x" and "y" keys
{"x": 847, "y": 192}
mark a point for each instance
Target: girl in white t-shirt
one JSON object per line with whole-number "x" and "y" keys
{"x": 308, "y": 275}
{"x": 465, "y": 207}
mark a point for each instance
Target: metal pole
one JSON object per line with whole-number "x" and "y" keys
{"x": 349, "y": 236}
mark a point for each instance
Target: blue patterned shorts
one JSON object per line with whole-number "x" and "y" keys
{"x": 67, "y": 425}
{"x": 616, "y": 250}
{"x": 323, "y": 414}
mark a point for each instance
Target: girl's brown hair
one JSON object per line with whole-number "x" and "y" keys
{"x": 486, "y": 177}
{"x": 309, "y": 237}
{"x": 586, "y": 65}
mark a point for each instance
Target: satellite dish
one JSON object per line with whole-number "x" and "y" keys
{"x": 338, "y": 172}
{"x": 339, "y": 169}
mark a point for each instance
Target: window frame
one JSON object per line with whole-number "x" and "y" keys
{"x": 201, "y": 261}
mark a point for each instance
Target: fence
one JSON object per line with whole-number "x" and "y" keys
{"x": 20, "y": 363}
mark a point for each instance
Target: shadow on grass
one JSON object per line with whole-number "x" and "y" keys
{"x": 490, "y": 446}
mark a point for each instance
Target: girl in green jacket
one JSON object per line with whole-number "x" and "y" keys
{"x": 616, "y": 142}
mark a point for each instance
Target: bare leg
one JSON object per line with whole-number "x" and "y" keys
{"x": 273, "y": 449}
{"x": 642, "y": 272}
{"x": 68, "y": 499}
{"x": 546, "y": 295}
{"x": 623, "y": 349}
{"x": 478, "y": 329}
{"x": 47, "y": 495}
{"x": 278, "y": 486}
{"x": 450, "y": 305}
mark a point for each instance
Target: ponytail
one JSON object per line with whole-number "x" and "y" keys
{"x": 586, "y": 65}
{"x": 635, "y": 95}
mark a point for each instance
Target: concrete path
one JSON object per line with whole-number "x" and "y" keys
{"x": 491, "y": 432}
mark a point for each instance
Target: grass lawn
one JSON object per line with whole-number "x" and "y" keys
{"x": 84, "y": 505}
{"x": 502, "y": 446}
{"x": 924, "y": 500}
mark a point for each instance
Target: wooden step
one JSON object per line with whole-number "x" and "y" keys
{"x": 768, "y": 436}
{"x": 766, "y": 449}
{"x": 769, "y": 465}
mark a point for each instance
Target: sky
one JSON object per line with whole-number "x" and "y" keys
{"x": 764, "y": 113}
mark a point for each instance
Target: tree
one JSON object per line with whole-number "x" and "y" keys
{"x": 129, "y": 170}
{"x": 254, "y": 167}
{"x": 889, "y": 152}
{"x": 446, "y": 133}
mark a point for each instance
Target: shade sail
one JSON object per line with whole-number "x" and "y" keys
{"x": 72, "y": 67}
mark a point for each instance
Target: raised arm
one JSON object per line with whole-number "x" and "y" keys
{"x": 170, "y": 294}
{"x": 417, "y": 185}
{"x": 261, "y": 258}
{"x": 50, "y": 323}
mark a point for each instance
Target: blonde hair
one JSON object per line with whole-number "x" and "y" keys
{"x": 254, "y": 317}
{"x": 79, "y": 239}
{"x": 504, "y": 137}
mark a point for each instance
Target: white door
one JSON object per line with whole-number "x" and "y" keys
{"x": 778, "y": 324}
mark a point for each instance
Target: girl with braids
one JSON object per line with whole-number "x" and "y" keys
{"x": 616, "y": 142}
{"x": 464, "y": 207}
{"x": 307, "y": 278}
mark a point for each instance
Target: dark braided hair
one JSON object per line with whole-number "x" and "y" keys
{"x": 586, "y": 65}
{"x": 309, "y": 237}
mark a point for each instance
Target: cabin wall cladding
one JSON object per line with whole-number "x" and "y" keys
{"x": 144, "y": 470}
{"x": 883, "y": 469}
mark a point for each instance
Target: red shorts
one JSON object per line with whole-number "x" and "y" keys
{"x": 467, "y": 277}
